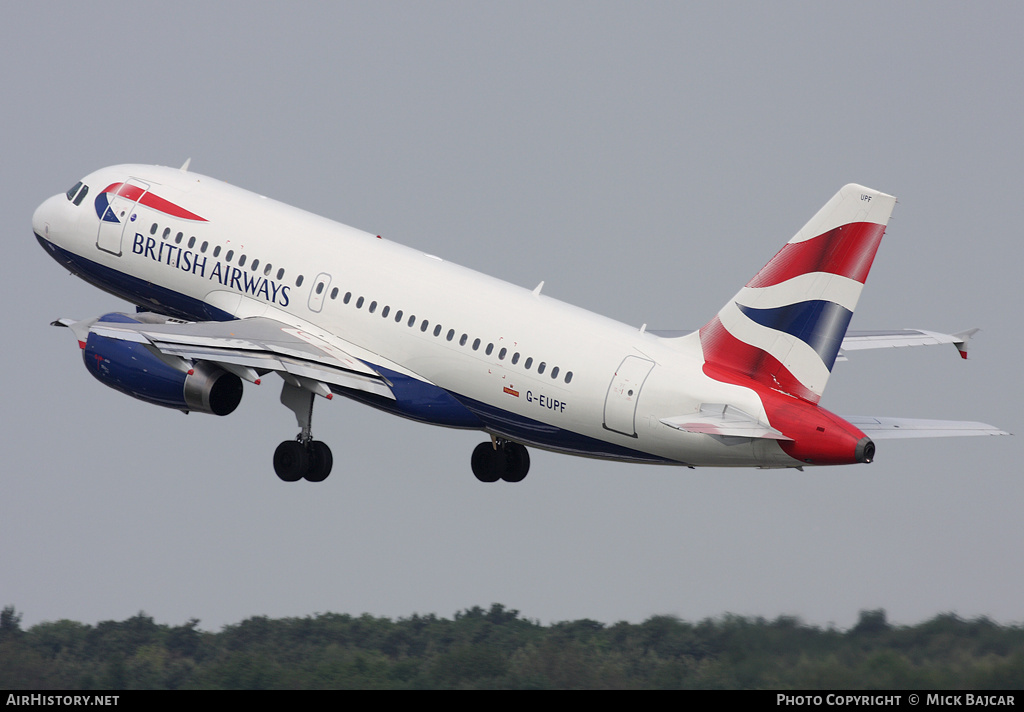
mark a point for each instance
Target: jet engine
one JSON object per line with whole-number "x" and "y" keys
{"x": 133, "y": 369}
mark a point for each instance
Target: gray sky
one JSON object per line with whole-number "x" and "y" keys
{"x": 645, "y": 159}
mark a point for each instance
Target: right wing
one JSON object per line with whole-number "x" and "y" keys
{"x": 861, "y": 340}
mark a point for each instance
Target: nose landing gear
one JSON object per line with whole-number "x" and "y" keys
{"x": 304, "y": 457}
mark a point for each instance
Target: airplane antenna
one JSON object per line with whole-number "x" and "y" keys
{"x": 643, "y": 328}
{"x": 536, "y": 290}
{"x": 184, "y": 166}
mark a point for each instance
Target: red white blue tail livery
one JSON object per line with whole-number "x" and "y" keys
{"x": 785, "y": 328}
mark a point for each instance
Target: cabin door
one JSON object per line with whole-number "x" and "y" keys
{"x": 116, "y": 208}
{"x": 623, "y": 394}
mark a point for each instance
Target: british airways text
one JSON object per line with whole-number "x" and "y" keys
{"x": 224, "y": 274}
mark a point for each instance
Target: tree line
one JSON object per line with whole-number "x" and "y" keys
{"x": 497, "y": 648}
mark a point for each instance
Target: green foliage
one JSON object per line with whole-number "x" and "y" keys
{"x": 496, "y": 648}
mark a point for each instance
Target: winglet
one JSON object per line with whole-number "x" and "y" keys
{"x": 80, "y": 328}
{"x": 962, "y": 337}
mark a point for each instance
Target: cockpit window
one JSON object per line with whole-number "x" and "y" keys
{"x": 77, "y": 193}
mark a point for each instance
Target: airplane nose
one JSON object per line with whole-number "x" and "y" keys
{"x": 42, "y": 217}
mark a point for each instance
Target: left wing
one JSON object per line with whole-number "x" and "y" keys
{"x": 247, "y": 348}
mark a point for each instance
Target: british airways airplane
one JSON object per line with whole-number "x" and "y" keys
{"x": 230, "y": 286}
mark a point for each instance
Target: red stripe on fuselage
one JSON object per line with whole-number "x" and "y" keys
{"x": 151, "y": 200}
{"x": 848, "y": 251}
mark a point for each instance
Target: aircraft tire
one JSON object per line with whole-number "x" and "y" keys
{"x": 517, "y": 459}
{"x": 291, "y": 461}
{"x": 488, "y": 464}
{"x": 320, "y": 463}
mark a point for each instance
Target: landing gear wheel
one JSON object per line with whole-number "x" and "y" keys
{"x": 517, "y": 462}
{"x": 303, "y": 457}
{"x": 291, "y": 460}
{"x": 321, "y": 461}
{"x": 488, "y": 464}
{"x": 508, "y": 461}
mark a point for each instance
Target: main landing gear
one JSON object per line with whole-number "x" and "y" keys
{"x": 304, "y": 457}
{"x": 500, "y": 460}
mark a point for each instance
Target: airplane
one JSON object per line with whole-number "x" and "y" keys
{"x": 230, "y": 286}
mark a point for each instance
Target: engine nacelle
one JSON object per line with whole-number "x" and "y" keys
{"x": 131, "y": 368}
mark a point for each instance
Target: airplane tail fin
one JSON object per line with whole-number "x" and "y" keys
{"x": 785, "y": 327}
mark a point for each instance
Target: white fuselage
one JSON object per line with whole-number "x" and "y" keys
{"x": 504, "y": 352}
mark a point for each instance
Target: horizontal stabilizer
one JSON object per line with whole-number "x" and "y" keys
{"x": 892, "y": 428}
{"x": 721, "y": 419}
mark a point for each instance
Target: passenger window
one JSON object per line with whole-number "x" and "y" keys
{"x": 412, "y": 320}
{"x": 153, "y": 229}
{"x": 464, "y": 339}
{"x": 241, "y": 259}
{"x": 266, "y": 270}
{"x": 424, "y": 325}
{"x": 568, "y": 376}
{"x": 489, "y": 349}
{"x": 359, "y": 303}
{"x": 476, "y": 344}
{"x": 230, "y": 254}
{"x": 398, "y": 316}
{"x": 191, "y": 242}
{"x": 255, "y": 264}
{"x": 298, "y": 281}
{"x": 334, "y": 293}
{"x": 515, "y": 358}
{"x": 202, "y": 248}
{"x": 554, "y": 372}
{"x": 451, "y": 334}
{"x": 373, "y": 307}
{"x": 529, "y": 362}
{"x": 167, "y": 232}
{"x": 385, "y": 311}
{"x": 348, "y": 297}
{"x": 540, "y": 367}
{"x": 501, "y": 354}
{"x": 320, "y": 288}
{"x": 177, "y": 238}
{"x": 437, "y": 330}
{"x": 216, "y": 251}
{"x": 280, "y": 274}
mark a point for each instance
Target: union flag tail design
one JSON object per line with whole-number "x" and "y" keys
{"x": 785, "y": 327}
